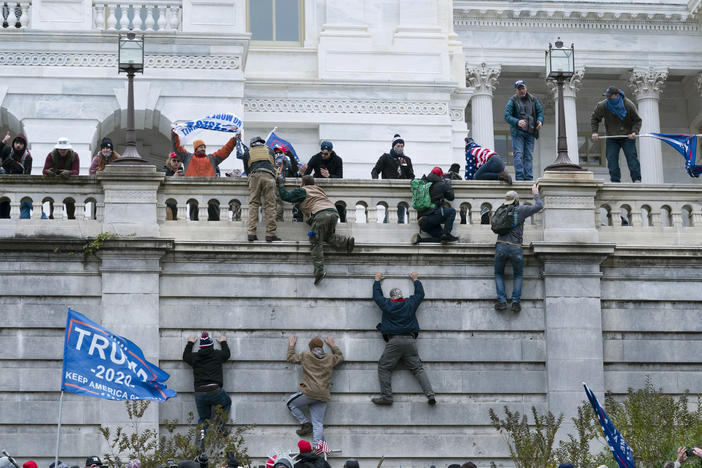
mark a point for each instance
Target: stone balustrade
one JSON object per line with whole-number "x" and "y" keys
{"x": 633, "y": 214}
{"x": 15, "y": 14}
{"x": 148, "y": 15}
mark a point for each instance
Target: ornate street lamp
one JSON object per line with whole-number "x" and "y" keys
{"x": 131, "y": 61}
{"x": 560, "y": 65}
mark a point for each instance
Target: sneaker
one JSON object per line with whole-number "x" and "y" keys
{"x": 445, "y": 238}
{"x": 431, "y": 400}
{"x": 415, "y": 239}
{"x": 319, "y": 276}
{"x": 272, "y": 238}
{"x": 381, "y": 401}
{"x": 506, "y": 177}
{"x": 500, "y": 305}
{"x": 350, "y": 244}
{"x": 252, "y": 237}
{"x": 305, "y": 429}
{"x": 516, "y": 307}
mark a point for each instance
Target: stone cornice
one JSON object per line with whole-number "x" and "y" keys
{"x": 345, "y": 106}
{"x": 70, "y": 59}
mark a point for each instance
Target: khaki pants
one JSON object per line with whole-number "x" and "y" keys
{"x": 324, "y": 228}
{"x": 262, "y": 184}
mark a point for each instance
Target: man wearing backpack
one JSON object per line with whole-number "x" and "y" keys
{"x": 431, "y": 213}
{"x": 508, "y": 223}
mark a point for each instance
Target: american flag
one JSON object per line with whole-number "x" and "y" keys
{"x": 476, "y": 156}
{"x": 321, "y": 448}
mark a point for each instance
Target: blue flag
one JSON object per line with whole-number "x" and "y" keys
{"x": 98, "y": 363}
{"x": 274, "y": 140}
{"x": 620, "y": 449}
{"x": 685, "y": 145}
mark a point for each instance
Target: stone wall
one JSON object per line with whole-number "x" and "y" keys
{"x": 607, "y": 305}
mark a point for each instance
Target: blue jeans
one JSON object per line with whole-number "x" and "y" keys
{"x": 504, "y": 252}
{"x": 632, "y": 160}
{"x": 491, "y": 169}
{"x": 432, "y": 224}
{"x": 523, "y": 151}
{"x": 206, "y": 403}
{"x": 25, "y": 210}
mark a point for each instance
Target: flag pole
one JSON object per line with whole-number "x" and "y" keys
{"x": 636, "y": 136}
{"x": 58, "y": 432}
{"x": 271, "y": 132}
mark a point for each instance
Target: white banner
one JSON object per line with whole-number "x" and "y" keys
{"x": 188, "y": 131}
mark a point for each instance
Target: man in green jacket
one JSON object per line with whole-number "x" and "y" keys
{"x": 317, "y": 368}
{"x": 321, "y": 214}
{"x": 621, "y": 118}
{"x": 525, "y": 116}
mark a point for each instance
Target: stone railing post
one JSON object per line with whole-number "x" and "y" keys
{"x": 571, "y": 255}
{"x": 130, "y": 199}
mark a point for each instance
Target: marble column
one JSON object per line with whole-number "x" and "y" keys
{"x": 483, "y": 79}
{"x": 647, "y": 84}
{"x": 570, "y": 90}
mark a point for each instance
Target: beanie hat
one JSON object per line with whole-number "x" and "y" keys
{"x": 397, "y": 139}
{"x": 316, "y": 342}
{"x": 303, "y": 445}
{"x": 30, "y": 464}
{"x": 20, "y": 136}
{"x": 327, "y": 145}
{"x": 197, "y": 143}
{"x": 437, "y": 171}
{"x": 94, "y": 460}
{"x": 205, "y": 340}
{"x": 106, "y": 143}
{"x": 396, "y": 293}
{"x": 455, "y": 167}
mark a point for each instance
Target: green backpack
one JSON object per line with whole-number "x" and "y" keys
{"x": 421, "y": 199}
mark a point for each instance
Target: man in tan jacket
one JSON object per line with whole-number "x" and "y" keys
{"x": 321, "y": 214}
{"x": 317, "y": 368}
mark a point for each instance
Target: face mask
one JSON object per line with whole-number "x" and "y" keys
{"x": 399, "y": 150}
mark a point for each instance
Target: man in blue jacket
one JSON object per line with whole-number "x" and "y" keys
{"x": 400, "y": 328}
{"x": 525, "y": 116}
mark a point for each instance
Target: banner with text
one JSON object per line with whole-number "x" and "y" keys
{"x": 229, "y": 123}
{"x": 98, "y": 363}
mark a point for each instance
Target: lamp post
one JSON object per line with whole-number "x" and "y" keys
{"x": 560, "y": 65}
{"x": 131, "y": 61}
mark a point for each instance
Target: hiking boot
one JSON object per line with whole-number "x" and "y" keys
{"x": 431, "y": 400}
{"x": 381, "y": 401}
{"x": 416, "y": 239}
{"x": 272, "y": 238}
{"x": 319, "y": 276}
{"x": 506, "y": 177}
{"x": 500, "y": 305}
{"x": 421, "y": 219}
{"x": 516, "y": 307}
{"x": 350, "y": 244}
{"x": 305, "y": 429}
{"x": 446, "y": 238}
{"x": 252, "y": 237}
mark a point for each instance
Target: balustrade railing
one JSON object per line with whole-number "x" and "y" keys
{"x": 149, "y": 15}
{"x": 16, "y": 14}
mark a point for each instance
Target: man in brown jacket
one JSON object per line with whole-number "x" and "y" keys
{"x": 321, "y": 214}
{"x": 317, "y": 368}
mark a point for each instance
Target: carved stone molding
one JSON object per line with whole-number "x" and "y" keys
{"x": 647, "y": 82}
{"x": 570, "y": 87}
{"x": 324, "y": 106}
{"x": 482, "y": 77}
{"x": 58, "y": 59}
{"x": 457, "y": 115}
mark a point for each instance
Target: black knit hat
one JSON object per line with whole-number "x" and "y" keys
{"x": 397, "y": 139}
{"x": 106, "y": 143}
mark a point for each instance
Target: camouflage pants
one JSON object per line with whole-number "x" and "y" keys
{"x": 324, "y": 227}
{"x": 262, "y": 185}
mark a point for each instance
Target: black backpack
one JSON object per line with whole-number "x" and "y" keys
{"x": 504, "y": 219}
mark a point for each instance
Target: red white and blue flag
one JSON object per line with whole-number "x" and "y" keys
{"x": 274, "y": 140}
{"x": 476, "y": 156}
{"x": 685, "y": 145}
{"x": 620, "y": 449}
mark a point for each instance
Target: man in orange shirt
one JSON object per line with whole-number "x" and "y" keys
{"x": 201, "y": 164}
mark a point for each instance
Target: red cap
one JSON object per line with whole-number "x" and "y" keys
{"x": 304, "y": 446}
{"x": 172, "y": 155}
{"x": 437, "y": 171}
{"x": 30, "y": 464}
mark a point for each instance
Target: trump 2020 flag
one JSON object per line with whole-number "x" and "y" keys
{"x": 620, "y": 449}
{"x": 274, "y": 140}
{"x": 685, "y": 145}
{"x": 98, "y": 363}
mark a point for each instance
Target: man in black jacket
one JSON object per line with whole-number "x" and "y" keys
{"x": 326, "y": 163}
{"x": 394, "y": 165}
{"x": 15, "y": 159}
{"x": 207, "y": 373}
{"x": 431, "y": 219}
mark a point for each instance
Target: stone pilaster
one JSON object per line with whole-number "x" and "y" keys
{"x": 647, "y": 85}
{"x": 457, "y": 113}
{"x": 483, "y": 79}
{"x": 570, "y": 91}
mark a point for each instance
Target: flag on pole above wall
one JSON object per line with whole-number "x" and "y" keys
{"x": 274, "y": 140}
{"x": 98, "y": 363}
{"x": 620, "y": 449}
{"x": 685, "y": 145}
